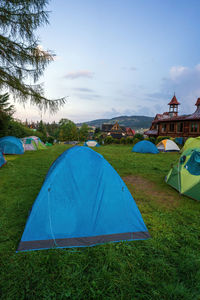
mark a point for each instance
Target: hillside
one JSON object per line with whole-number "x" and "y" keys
{"x": 134, "y": 122}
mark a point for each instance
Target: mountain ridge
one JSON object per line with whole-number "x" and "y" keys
{"x": 135, "y": 122}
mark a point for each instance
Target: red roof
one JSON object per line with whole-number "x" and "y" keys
{"x": 130, "y": 130}
{"x": 198, "y": 102}
{"x": 174, "y": 101}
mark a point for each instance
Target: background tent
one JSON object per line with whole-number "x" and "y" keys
{"x": 11, "y": 145}
{"x": 91, "y": 143}
{"x": 83, "y": 202}
{"x": 145, "y": 147}
{"x": 2, "y": 160}
{"x": 167, "y": 146}
{"x": 29, "y": 144}
{"x": 185, "y": 174}
{"x": 40, "y": 145}
{"x": 71, "y": 142}
{"x": 179, "y": 140}
{"x": 191, "y": 143}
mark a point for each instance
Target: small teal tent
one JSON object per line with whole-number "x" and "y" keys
{"x": 83, "y": 202}
{"x": 145, "y": 147}
{"x": 11, "y": 145}
{"x": 91, "y": 143}
{"x": 2, "y": 160}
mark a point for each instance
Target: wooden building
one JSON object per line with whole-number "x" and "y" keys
{"x": 173, "y": 125}
{"x": 117, "y": 131}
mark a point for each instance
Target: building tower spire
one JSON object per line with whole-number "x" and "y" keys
{"x": 173, "y": 107}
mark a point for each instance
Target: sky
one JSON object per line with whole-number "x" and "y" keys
{"x": 119, "y": 57}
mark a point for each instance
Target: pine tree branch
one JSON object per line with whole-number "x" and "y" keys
{"x": 20, "y": 56}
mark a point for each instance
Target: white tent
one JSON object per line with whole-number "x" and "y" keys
{"x": 91, "y": 144}
{"x": 167, "y": 146}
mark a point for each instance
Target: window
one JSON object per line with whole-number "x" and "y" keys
{"x": 171, "y": 127}
{"x": 164, "y": 127}
{"x": 194, "y": 127}
{"x": 180, "y": 127}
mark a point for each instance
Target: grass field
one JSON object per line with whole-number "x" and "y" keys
{"x": 167, "y": 266}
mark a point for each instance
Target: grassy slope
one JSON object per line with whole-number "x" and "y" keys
{"x": 164, "y": 267}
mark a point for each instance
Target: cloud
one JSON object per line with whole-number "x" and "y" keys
{"x": 158, "y": 96}
{"x": 85, "y": 93}
{"x": 111, "y": 113}
{"x": 138, "y": 111}
{"x": 88, "y": 96}
{"x": 85, "y": 90}
{"x": 185, "y": 82}
{"x": 133, "y": 69}
{"x": 130, "y": 68}
{"x": 178, "y": 71}
{"x": 79, "y": 74}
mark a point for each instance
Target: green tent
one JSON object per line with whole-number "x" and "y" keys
{"x": 33, "y": 143}
{"x": 191, "y": 143}
{"x": 39, "y": 143}
{"x": 185, "y": 174}
{"x": 29, "y": 144}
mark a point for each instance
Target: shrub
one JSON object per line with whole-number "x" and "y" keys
{"x": 19, "y": 130}
{"x": 116, "y": 141}
{"x": 139, "y": 136}
{"x": 123, "y": 140}
{"x": 99, "y": 139}
{"x": 108, "y": 140}
{"x": 135, "y": 141}
{"x": 50, "y": 139}
{"x": 152, "y": 139}
{"x": 129, "y": 140}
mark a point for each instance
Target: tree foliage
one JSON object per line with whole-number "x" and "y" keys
{"x": 6, "y": 112}
{"x": 15, "y": 128}
{"x": 67, "y": 130}
{"x": 5, "y": 106}
{"x": 139, "y": 136}
{"x": 83, "y": 132}
{"x": 21, "y": 57}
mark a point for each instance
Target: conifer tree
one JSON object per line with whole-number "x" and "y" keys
{"x": 5, "y": 106}
{"x": 6, "y": 112}
{"x": 21, "y": 57}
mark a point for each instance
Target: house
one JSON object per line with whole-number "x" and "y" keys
{"x": 130, "y": 132}
{"x": 116, "y": 131}
{"x": 173, "y": 125}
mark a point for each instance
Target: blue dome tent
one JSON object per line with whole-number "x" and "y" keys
{"x": 11, "y": 145}
{"x": 83, "y": 202}
{"x": 2, "y": 160}
{"x": 145, "y": 147}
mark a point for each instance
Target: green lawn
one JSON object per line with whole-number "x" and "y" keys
{"x": 167, "y": 266}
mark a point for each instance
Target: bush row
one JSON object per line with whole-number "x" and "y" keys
{"x": 128, "y": 140}
{"x": 123, "y": 140}
{"x": 19, "y": 130}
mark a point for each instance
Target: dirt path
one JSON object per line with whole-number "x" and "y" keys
{"x": 148, "y": 187}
